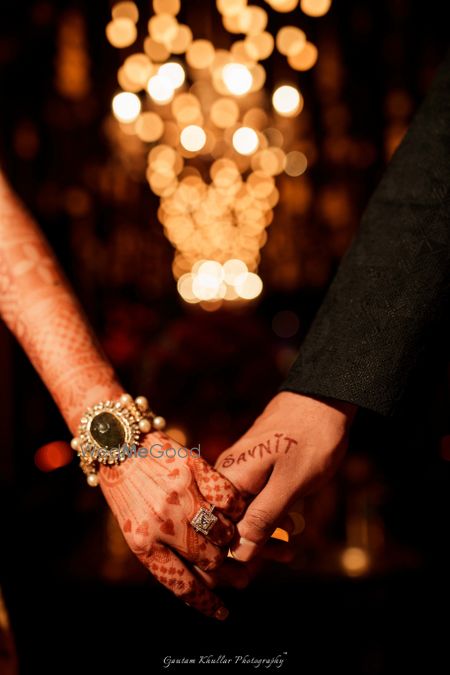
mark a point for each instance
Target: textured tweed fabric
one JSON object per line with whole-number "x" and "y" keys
{"x": 392, "y": 289}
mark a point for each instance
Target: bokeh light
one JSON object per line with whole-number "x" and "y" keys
{"x": 287, "y": 100}
{"x": 171, "y": 7}
{"x": 121, "y": 32}
{"x": 290, "y": 40}
{"x": 250, "y": 287}
{"x": 200, "y": 54}
{"x": 149, "y": 127}
{"x": 237, "y": 78}
{"x": 174, "y": 72}
{"x": 295, "y": 163}
{"x": 355, "y": 561}
{"x": 53, "y": 456}
{"x": 193, "y": 138}
{"x": 305, "y": 59}
{"x": 160, "y": 89}
{"x": 127, "y": 10}
{"x": 315, "y": 7}
{"x": 126, "y": 106}
{"x": 245, "y": 140}
{"x": 219, "y": 149}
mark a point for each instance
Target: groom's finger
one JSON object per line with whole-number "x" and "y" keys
{"x": 170, "y": 571}
{"x": 261, "y": 517}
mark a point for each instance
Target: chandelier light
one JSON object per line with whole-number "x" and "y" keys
{"x": 213, "y": 135}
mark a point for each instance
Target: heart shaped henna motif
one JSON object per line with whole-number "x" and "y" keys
{"x": 167, "y": 527}
{"x": 173, "y": 498}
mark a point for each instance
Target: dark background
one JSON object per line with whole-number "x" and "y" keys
{"x": 78, "y": 602}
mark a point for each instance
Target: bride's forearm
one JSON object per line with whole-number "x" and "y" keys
{"x": 39, "y": 307}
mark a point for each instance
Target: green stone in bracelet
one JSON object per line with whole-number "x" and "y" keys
{"x": 107, "y": 430}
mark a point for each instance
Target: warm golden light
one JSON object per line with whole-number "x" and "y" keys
{"x": 181, "y": 41}
{"x": 184, "y": 287}
{"x": 296, "y": 163}
{"x": 271, "y": 161}
{"x": 174, "y": 73}
{"x": 162, "y": 27}
{"x": 287, "y": 100}
{"x": 224, "y": 113}
{"x": 126, "y": 106}
{"x": 283, "y": 5}
{"x": 125, "y": 10}
{"x": 355, "y": 561}
{"x": 235, "y": 271}
{"x": 193, "y": 138}
{"x": 186, "y": 109}
{"x": 160, "y": 89}
{"x": 252, "y": 20}
{"x": 200, "y": 54}
{"x": 231, "y": 7}
{"x": 155, "y": 50}
{"x": 255, "y": 118}
{"x": 305, "y": 59}
{"x": 237, "y": 78}
{"x": 149, "y": 127}
{"x": 250, "y": 287}
{"x": 259, "y": 47}
{"x": 207, "y": 283}
{"x": 171, "y": 7}
{"x": 290, "y": 40}
{"x": 207, "y": 110}
{"x": 258, "y": 73}
{"x": 121, "y": 32}
{"x": 137, "y": 69}
{"x": 245, "y": 140}
{"x": 315, "y": 7}
{"x": 210, "y": 269}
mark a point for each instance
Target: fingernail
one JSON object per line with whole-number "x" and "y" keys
{"x": 221, "y": 613}
{"x": 244, "y": 550}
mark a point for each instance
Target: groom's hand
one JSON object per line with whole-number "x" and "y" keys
{"x": 289, "y": 451}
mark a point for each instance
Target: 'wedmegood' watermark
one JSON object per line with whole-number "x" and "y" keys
{"x": 157, "y": 450}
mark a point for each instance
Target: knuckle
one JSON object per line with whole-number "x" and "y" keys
{"x": 259, "y": 521}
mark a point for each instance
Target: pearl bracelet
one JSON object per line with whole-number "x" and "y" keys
{"x": 108, "y": 428}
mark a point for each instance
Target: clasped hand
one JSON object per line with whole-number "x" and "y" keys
{"x": 289, "y": 450}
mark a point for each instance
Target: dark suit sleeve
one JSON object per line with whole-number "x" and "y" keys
{"x": 393, "y": 285}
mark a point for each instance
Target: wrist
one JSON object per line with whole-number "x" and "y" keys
{"x": 296, "y": 405}
{"x": 108, "y": 390}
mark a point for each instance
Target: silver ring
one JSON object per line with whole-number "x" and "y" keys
{"x": 204, "y": 520}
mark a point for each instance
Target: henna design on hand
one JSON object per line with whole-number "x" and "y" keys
{"x": 154, "y": 501}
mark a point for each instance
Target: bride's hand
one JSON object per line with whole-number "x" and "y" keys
{"x": 154, "y": 499}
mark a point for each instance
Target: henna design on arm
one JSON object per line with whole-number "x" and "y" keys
{"x": 39, "y": 307}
